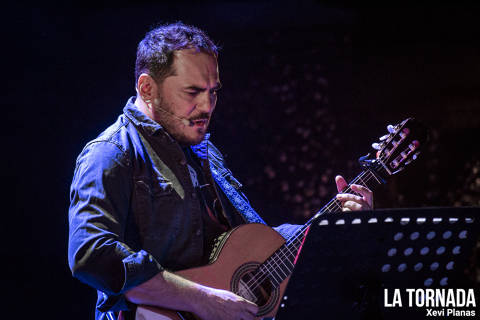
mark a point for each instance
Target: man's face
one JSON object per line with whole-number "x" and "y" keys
{"x": 189, "y": 93}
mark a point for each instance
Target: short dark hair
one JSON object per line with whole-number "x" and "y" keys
{"x": 155, "y": 52}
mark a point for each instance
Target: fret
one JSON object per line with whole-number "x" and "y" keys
{"x": 375, "y": 177}
{"x": 285, "y": 270}
{"x": 277, "y": 267}
{"x": 280, "y": 265}
{"x": 292, "y": 244}
{"x": 289, "y": 256}
{"x": 333, "y": 206}
{"x": 277, "y": 264}
{"x": 273, "y": 271}
{"x": 286, "y": 255}
{"x": 282, "y": 259}
{"x": 281, "y": 272}
{"x": 362, "y": 182}
{"x": 275, "y": 280}
{"x": 267, "y": 274}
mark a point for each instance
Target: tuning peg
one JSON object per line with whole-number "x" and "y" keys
{"x": 376, "y": 146}
{"x": 382, "y": 138}
{"x": 391, "y": 128}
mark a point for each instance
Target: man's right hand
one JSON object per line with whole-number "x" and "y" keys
{"x": 168, "y": 290}
{"x": 224, "y": 305}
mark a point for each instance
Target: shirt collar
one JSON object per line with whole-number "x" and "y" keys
{"x": 140, "y": 119}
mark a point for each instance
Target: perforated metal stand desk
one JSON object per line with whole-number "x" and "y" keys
{"x": 349, "y": 259}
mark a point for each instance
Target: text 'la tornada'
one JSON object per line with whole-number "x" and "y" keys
{"x": 430, "y": 298}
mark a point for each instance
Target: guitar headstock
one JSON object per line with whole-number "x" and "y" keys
{"x": 398, "y": 148}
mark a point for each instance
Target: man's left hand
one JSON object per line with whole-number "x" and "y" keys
{"x": 352, "y": 202}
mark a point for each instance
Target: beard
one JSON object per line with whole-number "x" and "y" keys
{"x": 186, "y": 135}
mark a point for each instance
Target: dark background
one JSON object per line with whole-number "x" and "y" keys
{"x": 307, "y": 87}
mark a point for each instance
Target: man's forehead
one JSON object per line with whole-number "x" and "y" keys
{"x": 191, "y": 60}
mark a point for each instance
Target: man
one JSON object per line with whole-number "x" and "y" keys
{"x": 151, "y": 193}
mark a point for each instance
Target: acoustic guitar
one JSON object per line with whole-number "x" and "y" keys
{"x": 255, "y": 262}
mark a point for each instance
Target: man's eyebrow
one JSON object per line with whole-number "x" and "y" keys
{"x": 195, "y": 88}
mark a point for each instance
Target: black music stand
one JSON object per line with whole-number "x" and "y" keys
{"x": 349, "y": 259}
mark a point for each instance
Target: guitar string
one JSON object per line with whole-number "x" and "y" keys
{"x": 295, "y": 237}
{"x": 287, "y": 256}
{"x": 327, "y": 208}
{"x": 334, "y": 202}
{"x": 282, "y": 256}
{"x": 274, "y": 261}
{"x": 268, "y": 264}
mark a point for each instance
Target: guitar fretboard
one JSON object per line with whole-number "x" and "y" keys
{"x": 280, "y": 265}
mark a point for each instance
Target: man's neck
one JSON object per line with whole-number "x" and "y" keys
{"x": 142, "y": 106}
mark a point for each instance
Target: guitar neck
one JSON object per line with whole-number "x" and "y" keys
{"x": 280, "y": 265}
{"x": 367, "y": 178}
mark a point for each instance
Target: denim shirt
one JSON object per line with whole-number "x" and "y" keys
{"x": 134, "y": 211}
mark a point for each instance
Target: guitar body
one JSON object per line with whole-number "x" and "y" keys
{"x": 241, "y": 251}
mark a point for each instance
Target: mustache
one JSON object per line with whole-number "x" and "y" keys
{"x": 202, "y": 116}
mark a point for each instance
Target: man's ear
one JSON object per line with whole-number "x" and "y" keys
{"x": 147, "y": 88}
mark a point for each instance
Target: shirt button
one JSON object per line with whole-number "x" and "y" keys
{"x": 199, "y": 232}
{"x": 183, "y": 162}
{"x": 194, "y": 195}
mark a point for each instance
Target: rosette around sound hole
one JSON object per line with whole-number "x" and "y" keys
{"x": 254, "y": 285}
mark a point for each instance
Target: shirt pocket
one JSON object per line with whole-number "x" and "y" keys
{"x": 155, "y": 203}
{"x": 153, "y": 187}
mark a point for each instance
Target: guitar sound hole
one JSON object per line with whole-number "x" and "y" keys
{"x": 256, "y": 290}
{"x": 255, "y": 287}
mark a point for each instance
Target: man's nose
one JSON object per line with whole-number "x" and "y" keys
{"x": 207, "y": 102}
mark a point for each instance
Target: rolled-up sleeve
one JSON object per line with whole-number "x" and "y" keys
{"x": 100, "y": 198}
